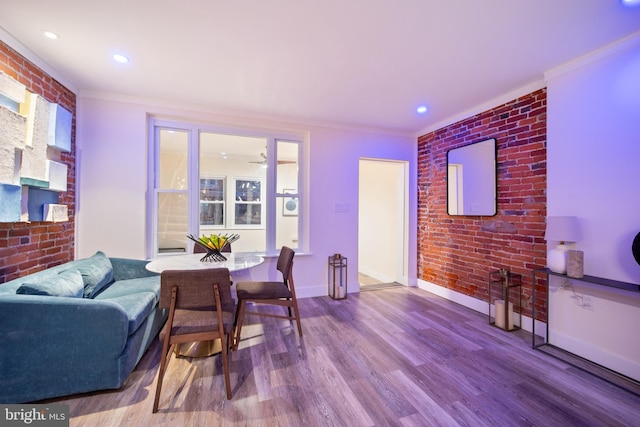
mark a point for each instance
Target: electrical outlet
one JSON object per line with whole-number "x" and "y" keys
{"x": 587, "y": 302}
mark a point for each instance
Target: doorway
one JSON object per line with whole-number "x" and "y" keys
{"x": 382, "y": 219}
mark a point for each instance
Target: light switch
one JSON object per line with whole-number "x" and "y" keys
{"x": 342, "y": 207}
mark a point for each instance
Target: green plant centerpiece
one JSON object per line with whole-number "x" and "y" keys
{"x": 213, "y": 244}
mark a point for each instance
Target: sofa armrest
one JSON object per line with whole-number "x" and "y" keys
{"x": 33, "y": 323}
{"x": 124, "y": 268}
{"x": 44, "y": 339}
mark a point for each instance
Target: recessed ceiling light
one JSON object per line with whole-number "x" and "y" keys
{"x": 120, "y": 58}
{"x": 50, "y": 35}
{"x": 422, "y": 109}
{"x": 631, "y": 2}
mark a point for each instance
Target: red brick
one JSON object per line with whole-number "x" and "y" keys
{"x": 25, "y": 247}
{"x": 453, "y": 246}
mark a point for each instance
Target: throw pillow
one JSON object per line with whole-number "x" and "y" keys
{"x": 97, "y": 272}
{"x": 66, "y": 284}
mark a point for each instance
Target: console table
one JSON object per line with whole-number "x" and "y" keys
{"x": 605, "y": 373}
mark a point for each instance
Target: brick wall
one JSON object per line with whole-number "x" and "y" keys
{"x": 29, "y": 247}
{"x": 458, "y": 252}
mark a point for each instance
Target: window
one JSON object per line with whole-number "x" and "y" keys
{"x": 207, "y": 180}
{"x": 212, "y": 191}
{"x": 170, "y": 191}
{"x": 248, "y": 202}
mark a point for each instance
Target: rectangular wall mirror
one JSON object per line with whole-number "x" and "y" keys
{"x": 471, "y": 179}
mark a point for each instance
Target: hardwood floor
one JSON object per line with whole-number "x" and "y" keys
{"x": 365, "y": 280}
{"x": 395, "y": 357}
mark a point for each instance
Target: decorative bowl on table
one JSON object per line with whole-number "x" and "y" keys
{"x": 213, "y": 244}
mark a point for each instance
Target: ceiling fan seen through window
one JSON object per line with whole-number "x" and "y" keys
{"x": 264, "y": 161}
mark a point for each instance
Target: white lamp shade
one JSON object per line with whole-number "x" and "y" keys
{"x": 562, "y": 229}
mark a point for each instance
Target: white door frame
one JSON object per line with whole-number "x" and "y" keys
{"x": 400, "y": 230}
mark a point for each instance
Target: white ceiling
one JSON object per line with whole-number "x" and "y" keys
{"x": 366, "y": 63}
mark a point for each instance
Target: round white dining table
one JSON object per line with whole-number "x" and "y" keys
{"x": 236, "y": 261}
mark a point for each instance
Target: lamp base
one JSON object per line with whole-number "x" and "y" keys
{"x": 557, "y": 259}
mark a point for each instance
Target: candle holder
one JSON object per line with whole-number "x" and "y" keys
{"x": 337, "y": 276}
{"x": 505, "y": 300}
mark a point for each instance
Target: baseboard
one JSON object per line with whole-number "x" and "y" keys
{"x": 317, "y": 291}
{"x": 449, "y": 294}
{"x": 596, "y": 354}
{"x": 476, "y": 304}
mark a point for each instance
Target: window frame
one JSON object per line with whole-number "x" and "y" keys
{"x": 272, "y": 199}
{"x": 222, "y": 202}
{"x": 261, "y": 203}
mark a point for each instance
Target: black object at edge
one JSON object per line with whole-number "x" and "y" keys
{"x": 635, "y": 248}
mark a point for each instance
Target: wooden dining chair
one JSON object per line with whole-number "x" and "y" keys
{"x": 273, "y": 293}
{"x": 200, "y": 309}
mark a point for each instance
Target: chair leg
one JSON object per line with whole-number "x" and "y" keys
{"x": 238, "y": 323}
{"x": 235, "y": 319}
{"x": 297, "y": 313}
{"x": 225, "y": 364}
{"x": 164, "y": 361}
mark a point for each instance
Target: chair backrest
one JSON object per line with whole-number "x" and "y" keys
{"x": 197, "y": 249}
{"x": 195, "y": 287}
{"x": 285, "y": 263}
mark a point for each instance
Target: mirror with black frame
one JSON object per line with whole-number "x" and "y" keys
{"x": 471, "y": 179}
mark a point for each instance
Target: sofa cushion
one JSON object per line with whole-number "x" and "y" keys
{"x": 137, "y": 306}
{"x": 68, "y": 283}
{"x": 97, "y": 272}
{"x": 131, "y": 286}
{"x": 12, "y": 286}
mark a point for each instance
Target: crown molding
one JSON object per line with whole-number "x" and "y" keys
{"x": 485, "y": 106}
{"x": 628, "y": 42}
{"x": 237, "y": 115}
{"x": 625, "y": 43}
{"x": 16, "y": 45}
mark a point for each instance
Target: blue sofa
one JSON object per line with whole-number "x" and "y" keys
{"x": 77, "y": 327}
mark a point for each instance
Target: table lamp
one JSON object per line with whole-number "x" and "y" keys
{"x": 560, "y": 229}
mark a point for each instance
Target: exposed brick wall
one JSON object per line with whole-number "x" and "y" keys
{"x": 458, "y": 252}
{"x": 29, "y": 247}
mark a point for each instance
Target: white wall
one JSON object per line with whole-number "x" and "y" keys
{"x": 112, "y": 183}
{"x": 593, "y": 171}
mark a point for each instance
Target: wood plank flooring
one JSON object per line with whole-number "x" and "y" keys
{"x": 394, "y": 357}
{"x": 365, "y": 280}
